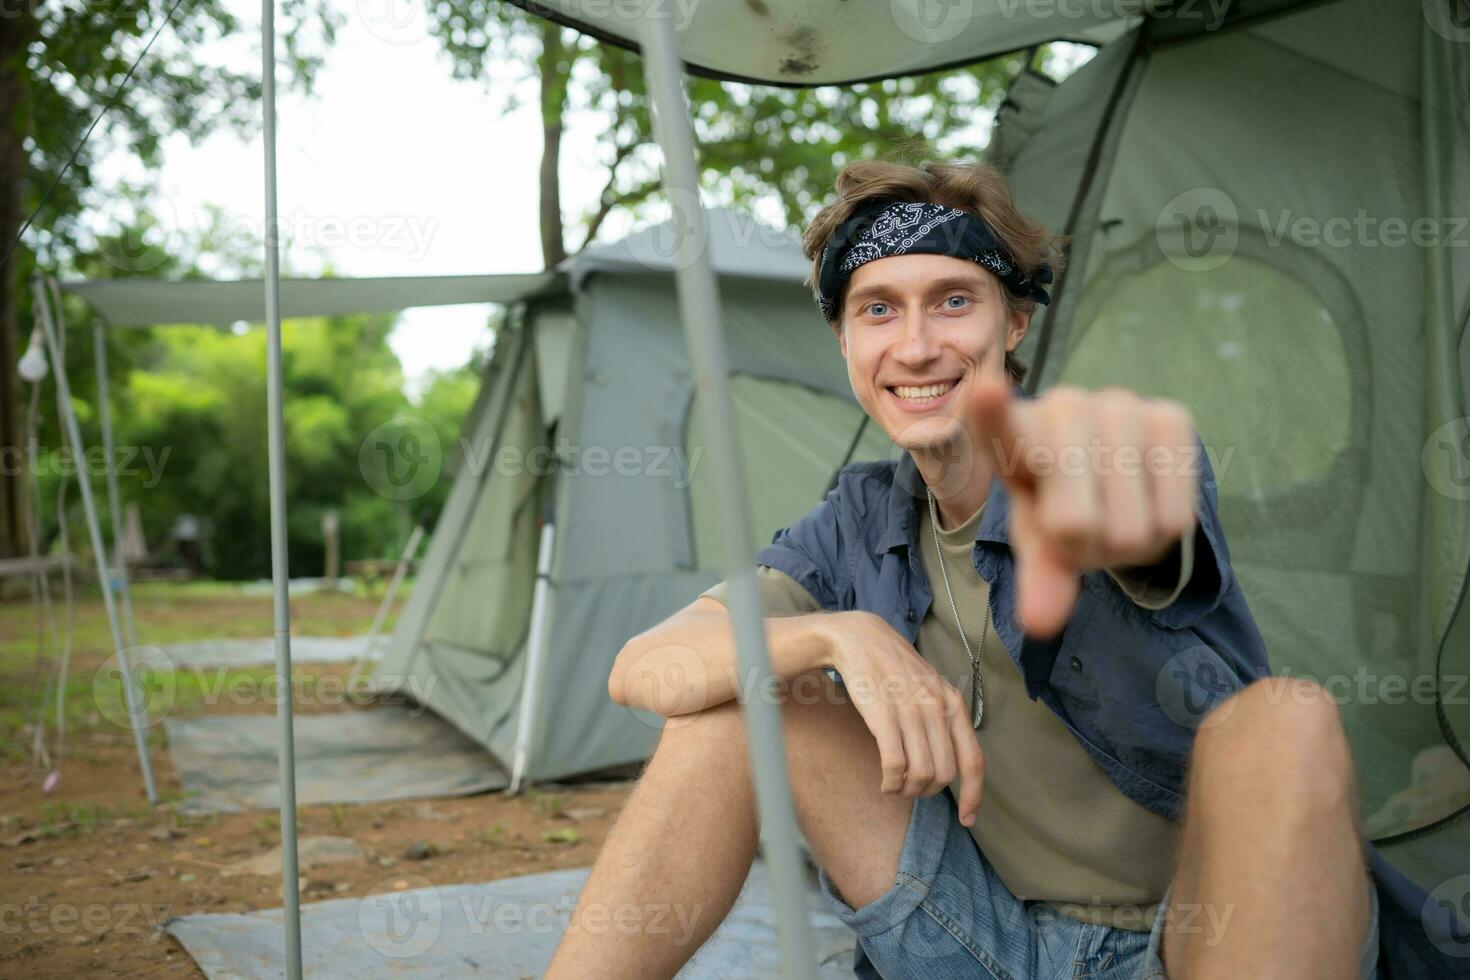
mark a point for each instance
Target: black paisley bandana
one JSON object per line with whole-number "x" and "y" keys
{"x": 879, "y": 229}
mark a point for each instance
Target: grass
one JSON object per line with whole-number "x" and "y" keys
{"x": 493, "y": 835}
{"x": 166, "y": 613}
{"x": 545, "y": 804}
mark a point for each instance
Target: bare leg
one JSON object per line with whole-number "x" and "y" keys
{"x": 685, "y": 841}
{"x": 1271, "y": 879}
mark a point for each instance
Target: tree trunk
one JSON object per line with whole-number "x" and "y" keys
{"x": 553, "y": 103}
{"x": 15, "y": 116}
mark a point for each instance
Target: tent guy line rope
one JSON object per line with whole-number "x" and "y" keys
{"x": 76, "y": 150}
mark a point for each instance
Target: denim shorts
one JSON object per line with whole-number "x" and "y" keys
{"x": 950, "y": 915}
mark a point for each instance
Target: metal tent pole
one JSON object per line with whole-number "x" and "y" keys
{"x": 699, "y": 307}
{"x": 94, "y": 531}
{"x": 276, "y": 462}
{"x": 535, "y": 658}
{"x": 104, "y": 408}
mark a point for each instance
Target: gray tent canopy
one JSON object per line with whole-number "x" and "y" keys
{"x": 587, "y": 422}
{"x": 160, "y": 302}
{"x": 1299, "y": 277}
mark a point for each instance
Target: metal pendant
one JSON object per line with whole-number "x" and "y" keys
{"x": 977, "y": 695}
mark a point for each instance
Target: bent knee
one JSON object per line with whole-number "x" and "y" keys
{"x": 1279, "y": 729}
{"x": 1291, "y": 708}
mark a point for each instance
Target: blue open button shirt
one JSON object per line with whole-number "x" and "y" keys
{"x": 1131, "y": 684}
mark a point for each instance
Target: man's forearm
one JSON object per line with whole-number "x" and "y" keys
{"x": 688, "y": 663}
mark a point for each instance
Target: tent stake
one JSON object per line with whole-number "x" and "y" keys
{"x": 94, "y": 531}
{"x": 276, "y": 463}
{"x": 699, "y": 308}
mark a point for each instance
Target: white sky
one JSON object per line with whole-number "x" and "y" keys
{"x": 389, "y": 167}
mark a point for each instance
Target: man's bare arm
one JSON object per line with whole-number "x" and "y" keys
{"x": 687, "y": 663}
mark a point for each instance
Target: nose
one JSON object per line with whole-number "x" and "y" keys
{"x": 916, "y": 343}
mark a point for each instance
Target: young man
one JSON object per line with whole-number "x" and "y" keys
{"x": 1002, "y": 655}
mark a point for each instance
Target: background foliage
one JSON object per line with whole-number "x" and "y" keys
{"x": 197, "y": 394}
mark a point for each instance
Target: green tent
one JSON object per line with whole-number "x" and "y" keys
{"x": 1300, "y": 278}
{"x": 1267, "y": 201}
{"x": 582, "y": 458}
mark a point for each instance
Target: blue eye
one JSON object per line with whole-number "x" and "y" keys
{"x": 963, "y": 299}
{"x": 873, "y": 308}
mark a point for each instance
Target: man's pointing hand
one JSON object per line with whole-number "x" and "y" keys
{"x": 1103, "y": 479}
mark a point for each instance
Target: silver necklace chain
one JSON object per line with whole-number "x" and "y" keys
{"x": 977, "y": 693}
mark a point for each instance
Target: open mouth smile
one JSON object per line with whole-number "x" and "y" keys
{"x": 922, "y": 397}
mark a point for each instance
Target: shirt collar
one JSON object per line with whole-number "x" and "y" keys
{"x": 901, "y": 527}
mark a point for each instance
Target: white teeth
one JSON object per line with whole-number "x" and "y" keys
{"x": 922, "y": 392}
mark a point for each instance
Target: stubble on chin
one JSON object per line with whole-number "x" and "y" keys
{"x": 943, "y": 454}
{"x": 931, "y": 438}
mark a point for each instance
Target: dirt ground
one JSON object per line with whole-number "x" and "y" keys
{"x": 89, "y": 872}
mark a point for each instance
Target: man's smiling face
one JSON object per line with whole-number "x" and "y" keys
{"x": 918, "y": 331}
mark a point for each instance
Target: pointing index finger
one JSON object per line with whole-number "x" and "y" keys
{"x": 1002, "y": 427}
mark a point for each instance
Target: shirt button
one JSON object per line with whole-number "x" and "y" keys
{"x": 1076, "y": 664}
{"x": 909, "y": 615}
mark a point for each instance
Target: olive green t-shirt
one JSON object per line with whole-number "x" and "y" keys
{"x": 1051, "y": 823}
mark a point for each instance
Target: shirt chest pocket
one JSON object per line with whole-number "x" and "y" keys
{"x": 1136, "y": 688}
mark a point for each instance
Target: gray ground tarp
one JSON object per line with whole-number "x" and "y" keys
{"x": 505, "y": 928}
{"x": 255, "y": 652}
{"x": 228, "y": 763}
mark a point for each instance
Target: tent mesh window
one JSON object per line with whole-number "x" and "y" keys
{"x": 1263, "y": 269}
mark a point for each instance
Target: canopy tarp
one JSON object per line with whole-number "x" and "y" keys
{"x": 835, "y": 42}
{"x": 154, "y": 302}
